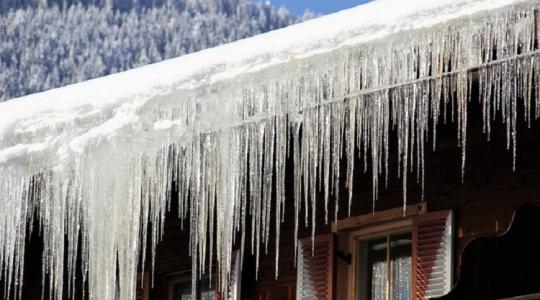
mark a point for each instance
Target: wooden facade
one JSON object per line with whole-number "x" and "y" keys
{"x": 483, "y": 206}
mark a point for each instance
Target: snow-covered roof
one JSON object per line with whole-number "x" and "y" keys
{"x": 362, "y": 24}
{"x": 102, "y": 153}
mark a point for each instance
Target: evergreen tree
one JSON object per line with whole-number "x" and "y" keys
{"x": 51, "y": 43}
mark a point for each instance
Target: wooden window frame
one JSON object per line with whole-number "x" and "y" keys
{"x": 174, "y": 278}
{"x": 184, "y": 275}
{"x": 181, "y": 276}
{"x": 355, "y": 240}
{"x": 370, "y": 226}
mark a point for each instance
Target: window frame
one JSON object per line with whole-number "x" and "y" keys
{"x": 175, "y": 278}
{"x": 352, "y": 231}
{"x": 183, "y": 276}
{"x": 400, "y": 228}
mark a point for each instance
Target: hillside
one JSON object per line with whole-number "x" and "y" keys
{"x": 44, "y": 45}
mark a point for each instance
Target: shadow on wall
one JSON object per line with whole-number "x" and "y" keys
{"x": 504, "y": 266}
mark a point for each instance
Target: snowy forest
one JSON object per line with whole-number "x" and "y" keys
{"x": 51, "y": 43}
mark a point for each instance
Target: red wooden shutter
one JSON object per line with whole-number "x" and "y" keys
{"x": 143, "y": 286}
{"x": 432, "y": 254}
{"x": 315, "y": 270}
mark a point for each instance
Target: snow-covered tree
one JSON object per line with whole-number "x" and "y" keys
{"x": 51, "y": 43}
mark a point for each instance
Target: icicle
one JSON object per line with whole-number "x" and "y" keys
{"x": 350, "y": 143}
{"x": 297, "y": 183}
{"x": 281, "y": 148}
{"x": 268, "y": 184}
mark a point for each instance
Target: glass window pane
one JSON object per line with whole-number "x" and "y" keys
{"x": 208, "y": 295}
{"x": 373, "y": 270}
{"x": 379, "y": 280}
{"x": 374, "y": 259}
{"x": 182, "y": 290}
{"x": 400, "y": 253}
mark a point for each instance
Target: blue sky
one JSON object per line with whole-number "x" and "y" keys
{"x": 297, "y": 7}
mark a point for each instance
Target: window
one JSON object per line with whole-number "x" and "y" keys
{"x": 394, "y": 254}
{"x": 180, "y": 289}
{"x": 384, "y": 267}
{"x": 179, "y": 285}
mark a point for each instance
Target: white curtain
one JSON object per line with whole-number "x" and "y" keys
{"x": 401, "y": 279}
{"x": 378, "y": 280}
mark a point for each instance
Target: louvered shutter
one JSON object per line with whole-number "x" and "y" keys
{"x": 143, "y": 286}
{"x": 235, "y": 280}
{"x": 432, "y": 254}
{"x": 315, "y": 269}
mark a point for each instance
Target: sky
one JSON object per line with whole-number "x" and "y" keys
{"x": 298, "y": 7}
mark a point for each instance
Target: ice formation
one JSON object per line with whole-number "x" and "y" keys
{"x": 103, "y": 156}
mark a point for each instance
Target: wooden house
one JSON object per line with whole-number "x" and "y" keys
{"x": 389, "y": 151}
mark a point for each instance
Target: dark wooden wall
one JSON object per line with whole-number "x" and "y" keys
{"x": 484, "y": 203}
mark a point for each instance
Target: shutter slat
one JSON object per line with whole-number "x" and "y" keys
{"x": 432, "y": 254}
{"x": 315, "y": 268}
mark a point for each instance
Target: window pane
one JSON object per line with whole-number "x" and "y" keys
{"x": 400, "y": 253}
{"x": 373, "y": 270}
{"x": 378, "y": 281}
{"x": 375, "y": 263}
{"x": 208, "y": 295}
{"x": 182, "y": 290}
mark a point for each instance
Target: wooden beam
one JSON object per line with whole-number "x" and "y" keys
{"x": 378, "y": 217}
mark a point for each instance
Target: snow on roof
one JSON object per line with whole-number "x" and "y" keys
{"x": 375, "y": 20}
{"x": 100, "y": 156}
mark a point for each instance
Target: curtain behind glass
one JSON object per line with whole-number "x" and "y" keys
{"x": 401, "y": 278}
{"x": 378, "y": 280}
{"x": 374, "y": 268}
{"x": 400, "y": 254}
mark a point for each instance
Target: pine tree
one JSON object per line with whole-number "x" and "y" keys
{"x": 51, "y": 43}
